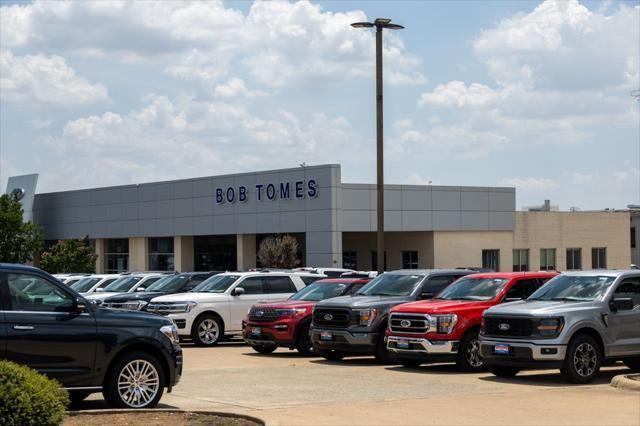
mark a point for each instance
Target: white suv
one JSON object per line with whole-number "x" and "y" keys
{"x": 217, "y": 306}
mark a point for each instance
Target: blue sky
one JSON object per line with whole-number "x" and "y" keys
{"x": 513, "y": 93}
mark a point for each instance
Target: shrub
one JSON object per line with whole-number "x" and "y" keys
{"x": 29, "y": 398}
{"x": 279, "y": 252}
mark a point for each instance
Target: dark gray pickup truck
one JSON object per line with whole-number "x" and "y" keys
{"x": 356, "y": 324}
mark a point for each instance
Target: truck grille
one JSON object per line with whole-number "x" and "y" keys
{"x": 259, "y": 314}
{"x": 508, "y": 327}
{"x": 332, "y": 317}
{"x": 166, "y": 308}
{"x": 409, "y": 323}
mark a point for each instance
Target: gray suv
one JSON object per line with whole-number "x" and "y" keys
{"x": 574, "y": 322}
{"x": 356, "y": 324}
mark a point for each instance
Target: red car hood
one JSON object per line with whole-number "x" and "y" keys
{"x": 288, "y": 304}
{"x": 443, "y": 306}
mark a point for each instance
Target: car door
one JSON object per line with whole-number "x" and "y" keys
{"x": 254, "y": 291}
{"x": 45, "y": 331}
{"x": 624, "y": 325}
{"x": 279, "y": 288}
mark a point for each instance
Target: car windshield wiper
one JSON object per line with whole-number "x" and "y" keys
{"x": 381, "y": 294}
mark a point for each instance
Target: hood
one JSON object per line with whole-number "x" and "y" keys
{"x": 443, "y": 306}
{"x": 125, "y": 297}
{"x": 539, "y": 308}
{"x": 101, "y": 295}
{"x": 192, "y": 297}
{"x": 287, "y": 304}
{"x": 363, "y": 301}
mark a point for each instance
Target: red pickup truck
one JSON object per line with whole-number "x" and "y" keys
{"x": 286, "y": 323}
{"x": 445, "y": 329}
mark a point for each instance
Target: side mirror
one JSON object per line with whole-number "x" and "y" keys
{"x": 140, "y": 289}
{"x": 425, "y": 295}
{"x": 238, "y": 291}
{"x": 621, "y": 304}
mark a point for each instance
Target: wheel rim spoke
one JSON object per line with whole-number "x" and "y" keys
{"x": 138, "y": 383}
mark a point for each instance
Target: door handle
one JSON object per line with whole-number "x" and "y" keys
{"x": 23, "y": 327}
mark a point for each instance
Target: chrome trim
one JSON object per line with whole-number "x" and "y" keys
{"x": 82, "y": 387}
{"x": 428, "y": 346}
{"x": 429, "y": 323}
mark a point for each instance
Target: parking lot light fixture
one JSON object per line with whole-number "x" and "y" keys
{"x": 379, "y": 24}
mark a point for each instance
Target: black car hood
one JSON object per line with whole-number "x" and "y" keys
{"x": 143, "y": 295}
{"x": 356, "y": 301}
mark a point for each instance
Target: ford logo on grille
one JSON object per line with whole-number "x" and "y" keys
{"x": 405, "y": 323}
{"x": 328, "y": 317}
{"x": 504, "y": 326}
{"x": 259, "y": 313}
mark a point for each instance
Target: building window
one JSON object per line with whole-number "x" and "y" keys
{"x": 520, "y": 260}
{"x": 349, "y": 260}
{"x": 161, "y": 254}
{"x": 215, "y": 253}
{"x": 633, "y": 237}
{"x": 116, "y": 255}
{"x": 374, "y": 261}
{"x": 409, "y": 260}
{"x": 491, "y": 259}
{"x": 574, "y": 259}
{"x": 548, "y": 259}
{"x": 599, "y": 258}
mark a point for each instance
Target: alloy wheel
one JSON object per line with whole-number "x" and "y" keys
{"x": 208, "y": 331}
{"x": 473, "y": 354}
{"x": 585, "y": 359}
{"x": 138, "y": 383}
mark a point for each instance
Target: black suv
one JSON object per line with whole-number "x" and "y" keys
{"x": 356, "y": 324}
{"x": 129, "y": 356}
{"x": 177, "y": 283}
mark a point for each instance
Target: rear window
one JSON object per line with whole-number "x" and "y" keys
{"x": 280, "y": 285}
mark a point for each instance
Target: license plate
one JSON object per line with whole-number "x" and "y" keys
{"x": 325, "y": 335}
{"x": 256, "y": 332}
{"x": 501, "y": 349}
{"x": 402, "y": 344}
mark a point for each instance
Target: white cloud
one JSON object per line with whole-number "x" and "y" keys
{"x": 235, "y": 87}
{"x": 530, "y": 184}
{"x": 45, "y": 81}
{"x": 457, "y": 94}
{"x": 276, "y": 43}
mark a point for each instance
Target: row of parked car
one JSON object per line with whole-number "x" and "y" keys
{"x": 501, "y": 321}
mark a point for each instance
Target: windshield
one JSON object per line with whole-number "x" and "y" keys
{"x": 573, "y": 288}
{"x": 473, "y": 289}
{"x": 168, "y": 284}
{"x": 391, "y": 285}
{"x": 216, "y": 284}
{"x": 123, "y": 284}
{"x": 85, "y": 284}
{"x": 320, "y": 291}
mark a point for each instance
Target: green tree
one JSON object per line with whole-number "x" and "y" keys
{"x": 19, "y": 241}
{"x": 279, "y": 252}
{"x": 69, "y": 256}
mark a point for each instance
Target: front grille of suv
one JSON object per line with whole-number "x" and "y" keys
{"x": 259, "y": 314}
{"x": 508, "y": 326}
{"x": 409, "y": 323}
{"x": 332, "y": 317}
{"x": 166, "y": 308}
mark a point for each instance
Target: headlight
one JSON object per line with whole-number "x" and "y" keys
{"x": 171, "y": 332}
{"x": 366, "y": 316}
{"x": 190, "y": 306}
{"x": 134, "y": 305}
{"x": 549, "y": 327}
{"x": 443, "y": 324}
{"x": 290, "y": 312}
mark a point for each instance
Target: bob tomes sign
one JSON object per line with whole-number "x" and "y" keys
{"x": 297, "y": 190}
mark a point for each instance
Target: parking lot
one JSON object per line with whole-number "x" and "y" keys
{"x": 286, "y": 389}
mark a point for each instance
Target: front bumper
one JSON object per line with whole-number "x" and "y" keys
{"x": 279, "y": 333}
{"x": 523, "y": 354}
{"x": 421, "y": 346}
{"x": 345, "y": 341}
{"x": 183, "y": 322}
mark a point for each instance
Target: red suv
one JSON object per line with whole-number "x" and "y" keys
{"x": 286, "y": 324}
{"x": 446, "y": 328}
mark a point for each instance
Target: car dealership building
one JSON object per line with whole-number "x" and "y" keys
{"x": 218, "y": 222}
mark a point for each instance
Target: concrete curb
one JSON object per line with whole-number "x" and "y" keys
{"x": 625, "y": 382}
{"x": 164, "y": 410}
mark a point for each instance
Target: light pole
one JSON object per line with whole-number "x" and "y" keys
{"x": 379, "y": 24}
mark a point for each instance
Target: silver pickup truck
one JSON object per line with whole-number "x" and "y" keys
{"x": 574, "y": 322}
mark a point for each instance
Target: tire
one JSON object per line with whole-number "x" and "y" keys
{"x": 127, "y": 369}
{"x": 583, "y": 359}
{"x": 503, "y": 370}
{"x": 330, "y": 355}
{"x": 410, "y": 363}
{"x": 207, "y": 331}
{"x": 76, "y": 397}
{"x": 263, "y": 349}
{"x": 304, "y": 345}
{"x": 632, "y": 363}
{"x": 468, "y": 358}
{"x": 382, "y": 354}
